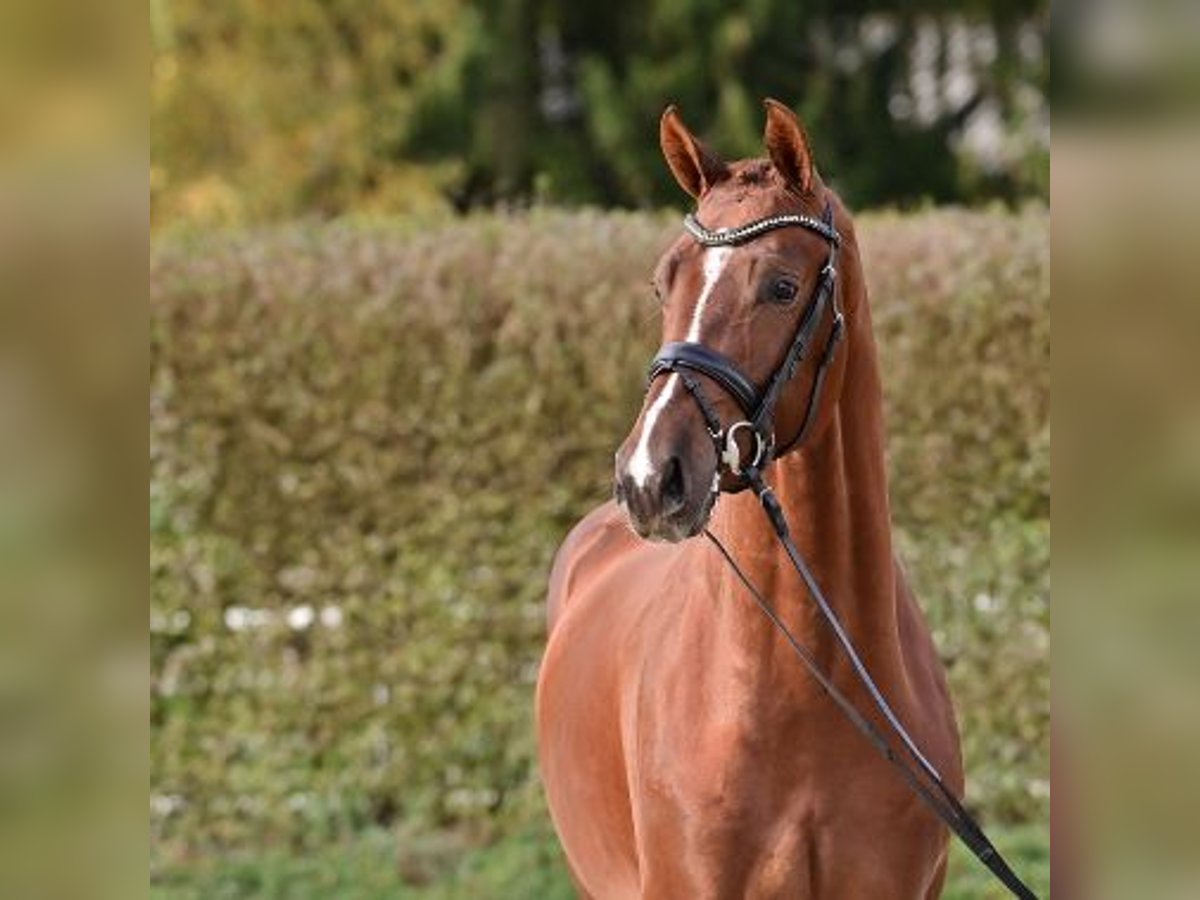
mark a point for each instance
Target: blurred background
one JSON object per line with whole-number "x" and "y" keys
{"x": 399, "y": 320}
{"x": 326, "y": 108}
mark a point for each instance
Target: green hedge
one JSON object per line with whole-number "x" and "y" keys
{"x": 367, "y": 442}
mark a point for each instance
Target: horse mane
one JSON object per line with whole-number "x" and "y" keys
{"x": 756, "y": 173}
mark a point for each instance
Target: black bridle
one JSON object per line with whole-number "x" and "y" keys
{"x": 685, "y": 358}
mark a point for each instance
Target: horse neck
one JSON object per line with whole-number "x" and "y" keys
{"x": 834, "y": 491}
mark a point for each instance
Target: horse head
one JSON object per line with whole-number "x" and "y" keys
{"x": 739, "y": 292}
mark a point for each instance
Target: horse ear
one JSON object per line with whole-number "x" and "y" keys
{"x": 787, "y": 145}
{"x": 694, "y": 166}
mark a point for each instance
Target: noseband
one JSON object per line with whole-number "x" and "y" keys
{"x": 684, "y": 358}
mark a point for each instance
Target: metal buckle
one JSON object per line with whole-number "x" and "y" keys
{"x": 731, "y": 455}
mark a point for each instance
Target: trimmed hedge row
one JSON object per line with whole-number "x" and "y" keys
{"x": 367, "y": 442}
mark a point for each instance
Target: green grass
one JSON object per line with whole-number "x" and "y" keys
{"x": 526, "y": 864}
{"x": 1027, "y": 849}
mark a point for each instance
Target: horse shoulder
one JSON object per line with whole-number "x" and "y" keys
{"x": 598, "y": 531}
{"x": 578, "y": 711}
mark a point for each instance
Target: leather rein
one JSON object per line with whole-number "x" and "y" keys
{"x": 687, "y": 358}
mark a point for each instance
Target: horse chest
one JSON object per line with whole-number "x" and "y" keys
{"x": 680, "y": 760}
{"x": 701, "y": 744}
{"x": 727, "y": 815}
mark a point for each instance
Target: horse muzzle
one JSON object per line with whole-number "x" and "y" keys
{"x": 669, "y": 499}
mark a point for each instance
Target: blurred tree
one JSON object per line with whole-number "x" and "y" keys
{"x": 912, "y": 102}
{"x": 264, "y": 111}
{"x": 329, "y": 106}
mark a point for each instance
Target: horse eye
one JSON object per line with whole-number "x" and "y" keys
{"x": 783, "y": 291}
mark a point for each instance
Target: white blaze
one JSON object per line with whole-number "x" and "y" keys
{"x": 640, "y": 466}
{"x": 714, "y": 263}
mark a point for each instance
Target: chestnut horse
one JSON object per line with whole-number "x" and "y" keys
{"x": 685, "y": 752}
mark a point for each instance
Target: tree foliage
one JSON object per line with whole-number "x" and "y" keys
{"x": 266, "y": 111}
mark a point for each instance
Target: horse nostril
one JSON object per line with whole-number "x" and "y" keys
{"x": 672, "y": 487}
